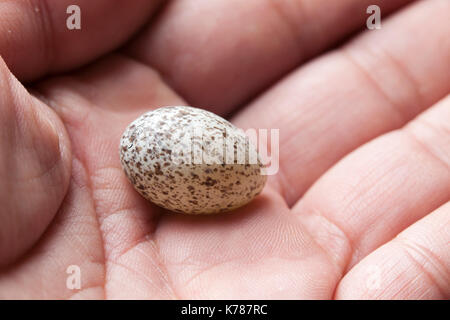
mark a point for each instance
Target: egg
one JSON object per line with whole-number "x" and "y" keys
{"x": 190, "y": 160}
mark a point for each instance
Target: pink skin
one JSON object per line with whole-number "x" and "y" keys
{"x": 364, "y": 186}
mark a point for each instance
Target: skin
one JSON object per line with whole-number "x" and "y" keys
{"x": 363, "y": 190}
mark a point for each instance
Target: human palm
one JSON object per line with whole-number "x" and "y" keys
{"x": 359, "y": 209}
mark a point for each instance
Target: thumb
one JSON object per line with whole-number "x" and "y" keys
{"x": 34, "y": 167}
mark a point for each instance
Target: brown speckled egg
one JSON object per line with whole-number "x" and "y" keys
{"x": 189, "y": 160}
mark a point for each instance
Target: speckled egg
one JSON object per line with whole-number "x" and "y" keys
{"x": 189, "y": 160}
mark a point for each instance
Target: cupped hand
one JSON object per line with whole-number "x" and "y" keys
{"x": 359, "y": 208}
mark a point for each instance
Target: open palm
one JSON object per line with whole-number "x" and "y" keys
{"x": 359, "y": 209}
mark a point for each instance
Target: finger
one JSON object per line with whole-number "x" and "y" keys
{"x": 39, "y": 27}
{"x": 370, "y": 86}
{"x": 381, "y": 188}
{"x": 218, "y": 54}
{"x": 100, "y": 101}
{"x": 414, "y": 265}
{"x": 34, "y": 167}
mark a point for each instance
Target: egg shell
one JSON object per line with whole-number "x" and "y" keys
{"x": 189, "y": 160}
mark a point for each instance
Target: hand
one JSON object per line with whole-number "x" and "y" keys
{"x": 359, "y": 209}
